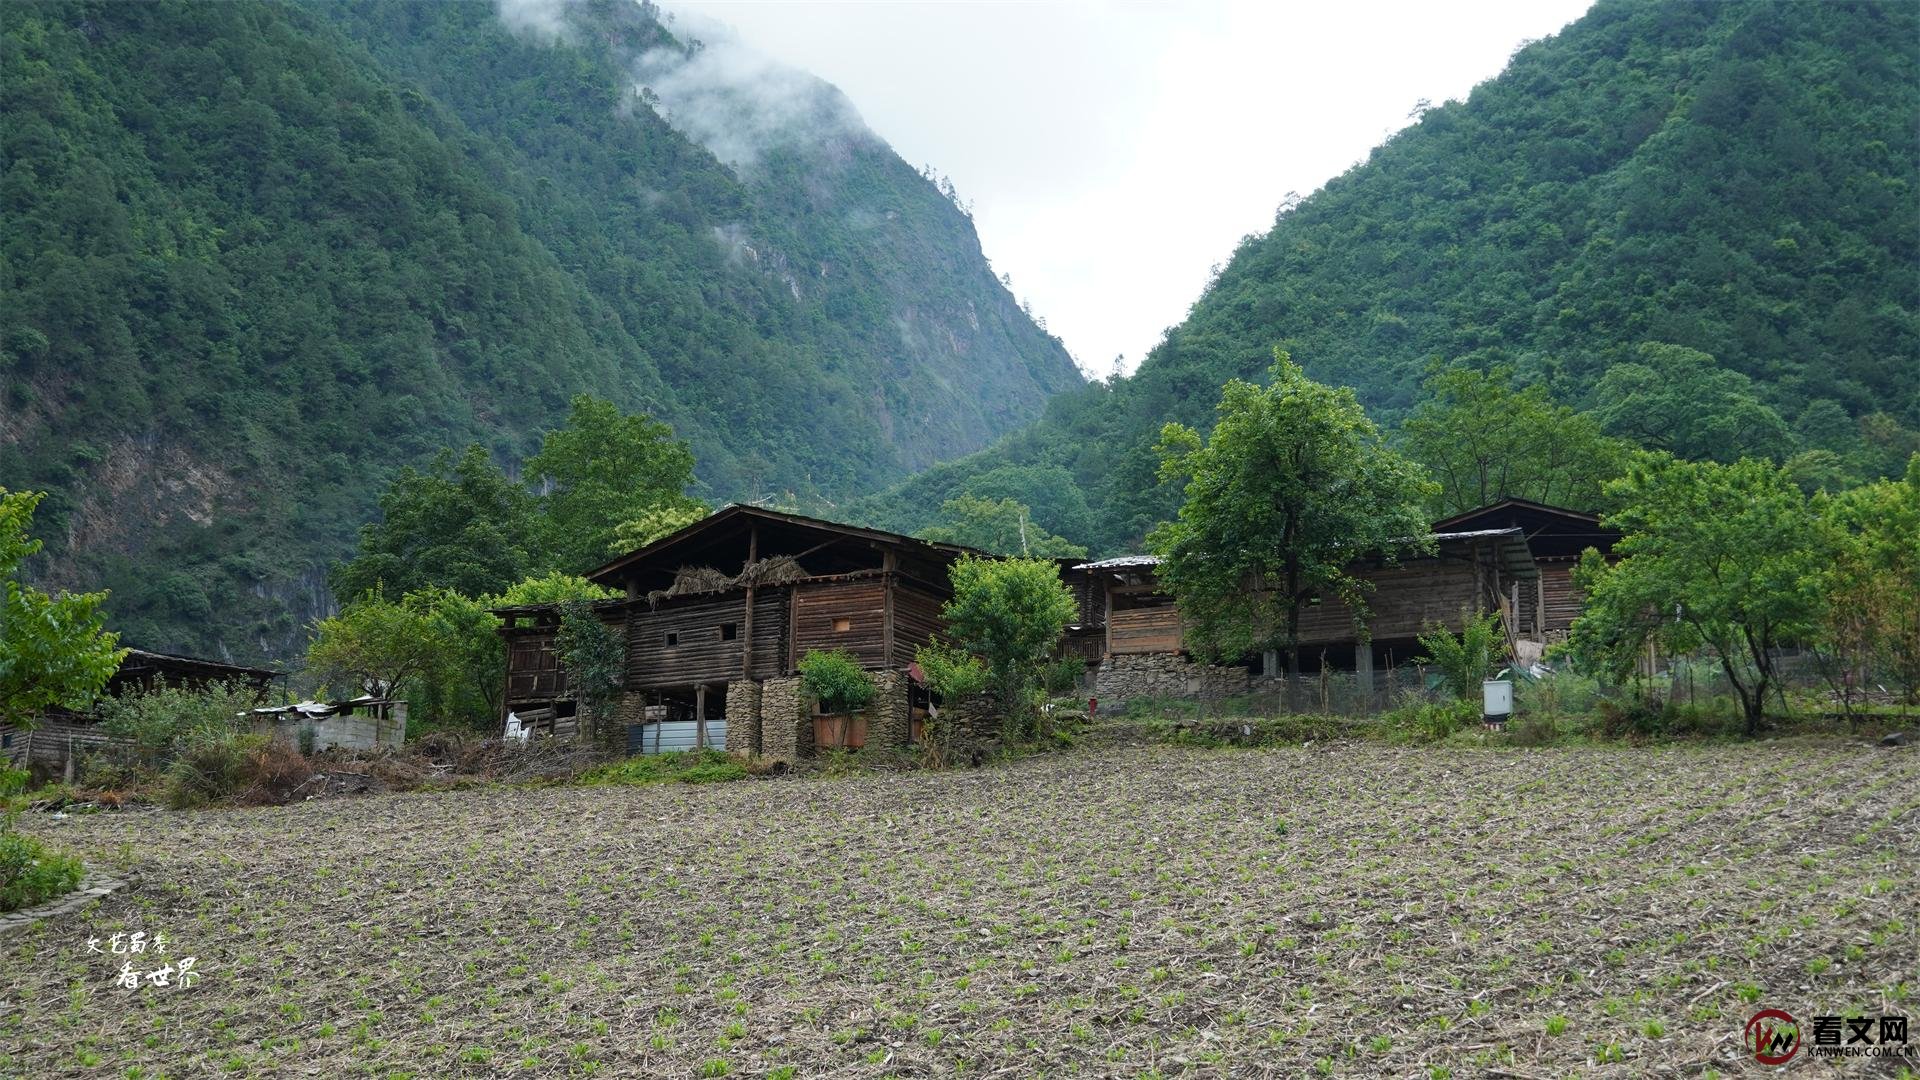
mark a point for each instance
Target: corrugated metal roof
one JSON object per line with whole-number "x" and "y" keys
{"x": 1121, "y": 562}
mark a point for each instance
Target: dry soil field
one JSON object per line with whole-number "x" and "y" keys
{"x": 1349, "y": 910}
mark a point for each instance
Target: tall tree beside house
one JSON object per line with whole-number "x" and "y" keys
{"x": 54, "y": 650}
{"x": 1292, "y": 486}
{"x": 1728, "y": 558}
{"x": 602, "y": 470}
{"x": 377, "y": 645}
{"x": 459, "y": 524}
{"x": 1010, "y": 613}
{"x": 1873, "y": 602}
{"x": 1483, "y": 439}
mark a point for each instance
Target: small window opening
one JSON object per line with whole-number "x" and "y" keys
{"x": 729, "y": 631}
{"x": 841, "y": 626}
{"x": 672, "y": 639}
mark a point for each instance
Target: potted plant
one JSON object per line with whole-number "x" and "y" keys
{"x": 840, "y": 689}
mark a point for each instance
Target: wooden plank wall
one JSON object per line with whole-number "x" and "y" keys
{"x": 533, "y": 668}
{"x": 1564, "y": 602}
{"x": 1144, "y": 630}
{"x": 861, "y": 602}
{"x": 916, "y": 619}
{"x": 700, "y": 654}
{"x": 1406, "y": 600}
{"x": 1089, "y": 598}
{"x": 50, "y": 741}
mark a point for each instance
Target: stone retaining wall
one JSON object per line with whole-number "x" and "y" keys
{"x": 1125, "y": 676}
{"x": 92, "y": 887}
{"x": 889, "y": 718}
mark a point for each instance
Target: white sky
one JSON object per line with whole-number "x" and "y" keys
{"x": 1114, "y": 152}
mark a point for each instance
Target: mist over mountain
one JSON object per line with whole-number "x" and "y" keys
{"x": 1737, "y": 180}
{"x": 261, "y": 254}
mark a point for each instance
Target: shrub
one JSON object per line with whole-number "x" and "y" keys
{"x": 158, "y": 721}
{"x": 1429, "y": 721}
{"x": 952, "y": 674}
{"x": 29, "y": 873}
{"x": 1636, "y": 718}
{"x": 682, "y": 766}
{"x": 13, "y": 781}
{"x": 836, "y": 680}
{"x": 210, "y": 765}
{"x": 1062, "y": 675}
{"x": 1464, "y": 659}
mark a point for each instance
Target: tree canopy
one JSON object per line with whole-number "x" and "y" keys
{"x": 54, "y": 650}
{"x": 1293, "y": 485}
{"x": 1727, "y": 558}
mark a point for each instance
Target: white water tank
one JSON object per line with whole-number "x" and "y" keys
{"x": 1497, "y": 699}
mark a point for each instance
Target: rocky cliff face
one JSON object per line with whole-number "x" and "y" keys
{"x": 261, "y": 254}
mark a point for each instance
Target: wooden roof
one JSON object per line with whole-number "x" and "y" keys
{"x": 1553, "y": 532}
{"x": 141, "y": 662}
{"x": 719, "y": 539}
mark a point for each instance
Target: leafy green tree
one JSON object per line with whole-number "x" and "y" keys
{"x": 1294, "y": 485}
{"x": 54, "y": 650}
{"x": 607, "y": 468}
{"x": 652, "y": 524}
{"x": 594, "y": 656}
{"x": 462, "y": 687}
{"x": 998, "y": 526}
{"x": 1728, "y": 558}
{"x": 378, "y": 646}
{"x": 1483, "y": 440}
{"x": 1873, "y": 599}
{"x": 460, "y": 524}
{"x": 1010, "y": 613}
{"x": 1682, "y": 401}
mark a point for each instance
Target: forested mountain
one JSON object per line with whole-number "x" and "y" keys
{"x": 260, "y": 254}
{"x": 1669, "y": 212}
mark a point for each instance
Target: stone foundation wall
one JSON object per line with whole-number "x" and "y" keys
{"x": 975, "y": 718}
{"x": 889, "y": 718}
{"x": 1125, "y": 676}
{"x": 743, "y": 717}
{"x": 786, "y": 721}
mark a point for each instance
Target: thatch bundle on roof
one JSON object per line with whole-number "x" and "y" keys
{"x": 688, "y": 580}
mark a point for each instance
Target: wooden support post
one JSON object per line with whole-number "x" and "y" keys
{"x": 700, "y": 716}
{"x": 1540, "y": 608}
{"x": 746, "y": 623}
{"x": 888, "y": 564}
{"x": 1106, "y": 619}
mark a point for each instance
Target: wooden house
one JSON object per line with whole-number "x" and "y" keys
{"x": 60, "y": 737}
{"x": 716, "y": 618}
{"x": 1513, "y": 557}
{"x": 1557, "y": 537}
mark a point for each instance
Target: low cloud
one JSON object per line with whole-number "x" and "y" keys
{"x": 545, "y": 19}
{"x": 738, "y": 103}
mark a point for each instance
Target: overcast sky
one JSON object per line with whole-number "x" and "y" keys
{"x": 1114, "y": 152}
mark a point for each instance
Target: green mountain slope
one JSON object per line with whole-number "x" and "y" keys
{"x": 257, "y": 255}
{"x": 1740, "y": 179}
